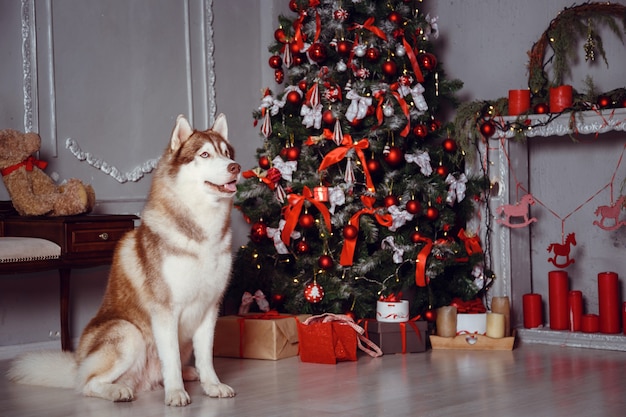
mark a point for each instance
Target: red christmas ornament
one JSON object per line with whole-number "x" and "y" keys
{"x": 298, "y": 59}
{"x": 277, "y": 299}
{"x": 413, "y": 206}
{"x": 279, "y": 76}
{"x": 395, "y": 17}
{"x": 355, "y": 122}
{"x": 264, "y": 162}
{"x": 435, "y": 125}
{"x": 389, "y": 68}
{"x": 293, "y": 97}
{"x": 317, "y": 52}
{"x": 293, "y": 153}
{"x": 350, "y": 232}
{"x": 258, "y": 231}
{"x": 293, "y": 6}
{"x": 604, "y": 101}
{"x": 487, "y": 128}
{"x": 395, "y": 156}
{"x": 372, "y": 54}
{"x": 273, "y": 174}
{"x": 302, "y": 247}
{"x": 341, "y": 14}
{"x": 325, "y": 262}
{"x": 449, "y": 145}
{"x": 391, "y": 200}
{"x": 430, "y": 315}
{"x": 432, "y": 214}
{"x": 541, "y": 108}
{"x": 313, "y": 292}
{"x": 415, "y": 237}
{"x": 302, "y": 85}
{"x": 275, "y": 61}
{"x": 294, "y": 48}
{"x": 421, "y": 131}
{"x": 279, "y": 35}
{"x": 427, "y": 61}
{"x": 328, "y": 117}
{"x": 344, "y": 47}
{"x": 373, "y": 166}
{"x": 351, "y": 315}
{"x": 442, "y": 171}
{"x": 624, "y": 102}
{"x": 306, "y": 221}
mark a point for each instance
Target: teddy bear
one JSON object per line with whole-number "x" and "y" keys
{"x": 32, "y": 191}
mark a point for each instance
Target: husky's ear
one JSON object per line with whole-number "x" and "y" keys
{"x": 220, "y": 126}
{"x": 182, "y": 132}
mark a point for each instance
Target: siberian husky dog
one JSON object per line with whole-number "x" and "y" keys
{"x": 165, "y": 286}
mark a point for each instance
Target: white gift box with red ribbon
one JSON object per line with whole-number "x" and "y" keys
{"x": 392, "y": 311}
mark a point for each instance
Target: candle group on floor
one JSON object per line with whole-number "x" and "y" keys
{"x": 566, "y": 307}
{"x": 495, "y": 324}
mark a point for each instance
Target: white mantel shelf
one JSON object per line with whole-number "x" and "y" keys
{"x": 586, "y": 122}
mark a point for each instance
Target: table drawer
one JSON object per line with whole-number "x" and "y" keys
{"x": 95, "y": 237}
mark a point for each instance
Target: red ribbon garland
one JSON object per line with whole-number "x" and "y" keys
{"x": 413, "y": 60}
{"x": 369, "y": 25}
{"x": 349, "y": 246}
{"x": 339, "y": 153}
{"x": 29, "y": 163}
{"x": 291, "y": 212}
{"x": 420, "y": 262}
{"x": 472, "y": 244}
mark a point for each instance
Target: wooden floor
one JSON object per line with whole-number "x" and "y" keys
{"x": 532, "y": 380}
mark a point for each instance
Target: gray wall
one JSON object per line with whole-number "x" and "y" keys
{"x": 121, "y": 76}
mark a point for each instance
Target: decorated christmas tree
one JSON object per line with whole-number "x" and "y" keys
{"x": 360, "y": 192}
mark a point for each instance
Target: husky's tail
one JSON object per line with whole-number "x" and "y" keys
{"x": 45, "y": 368}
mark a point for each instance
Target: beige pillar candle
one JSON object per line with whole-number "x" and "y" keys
{"x": 501, "y": 305}
{"x": 495, "y": 325}
{"x": 446, "y": 321}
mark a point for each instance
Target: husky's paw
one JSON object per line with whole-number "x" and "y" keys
{"x": 115, "y": 392}
{"x": 218, "y": 390}
{"x": 177, "y": 398}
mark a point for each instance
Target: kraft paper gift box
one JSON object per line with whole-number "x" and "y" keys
{"x": 405, "y": 337}
{"x": 270, "y": 336}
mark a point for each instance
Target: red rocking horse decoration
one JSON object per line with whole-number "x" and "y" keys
{"x": 610, "y": 212}
{"x": 562, "y": 251}
{"x": 519, "y": 209}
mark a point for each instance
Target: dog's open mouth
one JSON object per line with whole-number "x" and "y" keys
{"x": 229, "y": 187}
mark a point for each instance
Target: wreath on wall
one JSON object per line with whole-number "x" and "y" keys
{"x": 555, "y": 50}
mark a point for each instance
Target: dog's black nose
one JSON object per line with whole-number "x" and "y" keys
{"x": 234, "y": 168}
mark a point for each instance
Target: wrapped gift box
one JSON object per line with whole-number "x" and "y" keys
{"x": 328, "y": 343}
{"x": 257, "y": 336}
{"x": 407, "y": 337}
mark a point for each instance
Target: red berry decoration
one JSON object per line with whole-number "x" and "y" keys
{"x": 344, "y": 47}
{"x": 293, "y": 153}
{"x": 317, "y": 52}
{"x": 395, "y": 17}
{"x": 421, "y": 131}
{"x": 442, "y": 171}
{"x": 293, "y": 97}
{"x": 302, "y": 247}
{"x": 258, "y": 231}
{"x": 391, "y": 200}
{"x": 328, "y": 117}
{"x": 275, "y": 61}
{"x": 449, "y": 145}
{"x": 432, "y": 214}
{"x": 350, "y": 232}
{"x": 306, "y": 221}
{"x": 435, "y": 125}
{"x": 389, "y": 68}
{"x": 541, "y": 108}
{"x": 395, "y": 156}
{"x": 264, "y": 162}
{"x": 279, "y": 76}
{"x": 604, "y": 101}
{"x": 413, "y": 206}
{"x": 313, "y": 292}
{"x": 325, "y": 262}
{"x": 427, "y": 61}
{"x": 372, "y": 54}
{"x": 487, "y": 128}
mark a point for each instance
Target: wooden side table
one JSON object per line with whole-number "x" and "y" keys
{"x": 86, "y": 241}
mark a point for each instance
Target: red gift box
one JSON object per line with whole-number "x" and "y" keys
{"x": 331, "y": 338}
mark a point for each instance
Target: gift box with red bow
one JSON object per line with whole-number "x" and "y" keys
{"x": 269, "y": 335}
{"x": 405, "y": 337}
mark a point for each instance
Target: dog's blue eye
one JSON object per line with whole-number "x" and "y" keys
{"x": 204, "y": 154}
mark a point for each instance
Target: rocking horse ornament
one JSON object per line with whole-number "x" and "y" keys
{"x": 610, "y": 212}
{"x": 519, "y": 209}
{"x": 562, "y": 251}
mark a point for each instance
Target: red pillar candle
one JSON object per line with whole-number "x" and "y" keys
{"x": 558, "y": 300}
{"x": 575, "y": 310}
{"x": 533, "y": 316}
{"x": 590, "y": 323}
{"x": 624, "y": 316}
{"x": 519, "y": 101}
{"x": 560, "y": 98}
{"x": 608, "y": 302}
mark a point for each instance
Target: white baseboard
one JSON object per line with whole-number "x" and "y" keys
{"x": 9, "y": 352}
